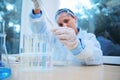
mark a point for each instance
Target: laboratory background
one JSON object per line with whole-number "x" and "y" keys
{"x": 100, "y": 17}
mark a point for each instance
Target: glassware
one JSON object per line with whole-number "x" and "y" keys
{"x": 5, "y": 70}
{"x": 37, "y": 52}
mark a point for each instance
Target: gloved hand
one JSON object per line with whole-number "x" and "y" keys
{"x": 67, "y": 36}
{"x": 36, "y": 6}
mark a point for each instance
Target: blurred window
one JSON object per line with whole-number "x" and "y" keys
{"x": 101, "y": 17}
{"x": 10, "y": 16}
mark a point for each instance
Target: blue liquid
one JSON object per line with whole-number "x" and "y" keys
{"x": 4, "y": 73}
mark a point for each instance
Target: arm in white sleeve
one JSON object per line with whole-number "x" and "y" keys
{"x": 79, "y": 48}
{"x": 89, "y": 51}
{"x": 38, "y": 24}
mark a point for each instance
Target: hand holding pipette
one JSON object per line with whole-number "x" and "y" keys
{"x": 39, "y": 7}
{"x": 36, "y": 6}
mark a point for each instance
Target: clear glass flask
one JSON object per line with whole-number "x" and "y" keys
{"x": 5, "y": 70}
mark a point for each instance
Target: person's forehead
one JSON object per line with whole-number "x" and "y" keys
{"x": 63, "y": 15}
{"x": 64, "y": 10}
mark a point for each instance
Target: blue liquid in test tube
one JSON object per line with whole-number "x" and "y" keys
{"x": 44, "y": 48}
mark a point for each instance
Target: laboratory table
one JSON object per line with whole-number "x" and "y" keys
{"x": 102, "y": 72}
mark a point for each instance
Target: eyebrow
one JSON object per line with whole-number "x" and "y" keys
{"x": 64, "y": 16}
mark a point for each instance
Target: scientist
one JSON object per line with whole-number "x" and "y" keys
{"x": 79, "y": 47}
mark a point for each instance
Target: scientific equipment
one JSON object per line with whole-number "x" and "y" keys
{"x": 37, "y": 52}
{"x": 5, "y": 70}
{"x": 59, "y": 57}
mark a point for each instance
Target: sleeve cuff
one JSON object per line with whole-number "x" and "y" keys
{"x": 33, "y": 16}
{"x": 79, "y": 48}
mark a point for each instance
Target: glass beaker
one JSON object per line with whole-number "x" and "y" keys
{"x": 5, "y": 70}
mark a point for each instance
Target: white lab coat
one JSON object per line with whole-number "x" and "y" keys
{"x": 90, "y": 55}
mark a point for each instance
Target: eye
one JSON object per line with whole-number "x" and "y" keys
{"x": 60, "y": 25}
{"x": 66, "y": 21}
